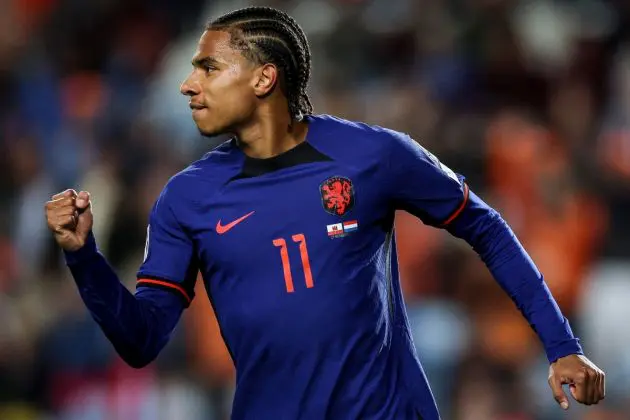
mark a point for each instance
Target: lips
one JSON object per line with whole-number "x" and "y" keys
{"x": 197, "y": 109}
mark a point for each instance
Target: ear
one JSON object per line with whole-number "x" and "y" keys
{"x": 266, "y": 77}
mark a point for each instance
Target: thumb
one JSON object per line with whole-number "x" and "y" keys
{"x": 84, "y": 207}
{"x": 82, "y": 201}
{"x": 558, "y": 393}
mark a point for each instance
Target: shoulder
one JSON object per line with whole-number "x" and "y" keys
{"x": 394, "y": 151}
{"x": 342, "y": 135}
{"x": 363, "y": 130}
{"x": 203, "y": 175}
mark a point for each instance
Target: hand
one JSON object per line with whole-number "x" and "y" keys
{"x": 586, "y": 381}
{"x": 69, "y": 217}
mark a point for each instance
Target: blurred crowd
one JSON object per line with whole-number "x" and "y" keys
{"x": 529, "y": 99}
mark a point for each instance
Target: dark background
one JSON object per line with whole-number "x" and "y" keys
{"x": 529, "y": 99}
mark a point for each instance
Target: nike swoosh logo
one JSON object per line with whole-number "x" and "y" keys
{"x": 221, "y": 229}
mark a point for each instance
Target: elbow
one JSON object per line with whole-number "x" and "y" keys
{"x": 479, "y": 225}
{"x": 136, "y": 358}
{"x": 138, "y": 362}
{"x": 488, "y": 234}
{"x": 497, "y": 243}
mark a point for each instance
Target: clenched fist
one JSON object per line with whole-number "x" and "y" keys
{"x": 586, "y": 381}
{"x": 69, "y": 216}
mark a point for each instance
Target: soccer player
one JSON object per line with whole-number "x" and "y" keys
{"x": 291, "y": 225}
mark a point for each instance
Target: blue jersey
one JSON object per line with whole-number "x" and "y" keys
{"x": 298, "y": 256}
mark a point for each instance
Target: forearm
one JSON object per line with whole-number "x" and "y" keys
{"x": 139, "y": 325}
{"x": 490, "y": 236}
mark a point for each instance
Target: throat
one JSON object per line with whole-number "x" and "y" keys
{"x": 267, "y": 143}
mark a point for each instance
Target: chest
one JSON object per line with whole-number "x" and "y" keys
{"x": 251, "y": 225}
{"x": 292, "y": 248}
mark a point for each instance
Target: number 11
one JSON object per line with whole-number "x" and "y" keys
{"x": 286, "y": 266}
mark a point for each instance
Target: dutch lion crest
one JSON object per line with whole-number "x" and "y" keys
{"x": 337, "y": 195}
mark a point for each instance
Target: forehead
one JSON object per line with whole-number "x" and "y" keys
{"x": 216, "y": 44}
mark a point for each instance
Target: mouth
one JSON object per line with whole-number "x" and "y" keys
{"x": 195, "y": 106}
{"x": 197, "y": 109}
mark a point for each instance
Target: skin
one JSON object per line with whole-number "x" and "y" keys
{"x": 230, "y": 94}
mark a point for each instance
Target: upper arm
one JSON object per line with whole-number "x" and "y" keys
{"x": 170, "y": 259}
{"x": 420, "y": 184}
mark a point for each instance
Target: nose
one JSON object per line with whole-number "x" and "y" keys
{"x": 189, "y": 88}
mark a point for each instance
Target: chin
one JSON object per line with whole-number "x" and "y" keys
{"x": 208, "y": 130}
{"x": 209, "y": 133}
{"x": 215, "y": 130}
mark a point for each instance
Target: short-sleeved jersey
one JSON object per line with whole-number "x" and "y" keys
{"x": 298, "y": 256}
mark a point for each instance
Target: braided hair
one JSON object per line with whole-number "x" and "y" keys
{"x": 267, "y": 35}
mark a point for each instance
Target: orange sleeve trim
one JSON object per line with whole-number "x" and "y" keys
{"x": 460, "y": 208}
{"x": 166, "y": 284}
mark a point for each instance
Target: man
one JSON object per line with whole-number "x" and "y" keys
{"x": 291, "y": 225}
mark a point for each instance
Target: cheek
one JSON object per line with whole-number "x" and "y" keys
{"x": 231, "y": 95}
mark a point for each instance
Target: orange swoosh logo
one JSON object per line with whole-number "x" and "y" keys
{"x": 221, "y": 229}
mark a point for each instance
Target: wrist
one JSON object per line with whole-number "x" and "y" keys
{"x": 563, "y": 349}
{"x": 87, "y": 251}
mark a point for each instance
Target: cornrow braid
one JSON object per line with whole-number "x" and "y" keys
{"x": 267, "y": 35}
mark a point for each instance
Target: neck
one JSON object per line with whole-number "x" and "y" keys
{"x": 270, "y": 135}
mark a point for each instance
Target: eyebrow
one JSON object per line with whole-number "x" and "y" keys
{"x": 205, "y": 61}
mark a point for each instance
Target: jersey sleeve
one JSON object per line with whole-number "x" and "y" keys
{"x": 170, "y": 261}
{"x": 421, "y": 185}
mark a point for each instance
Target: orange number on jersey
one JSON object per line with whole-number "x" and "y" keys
{"x": 306, "y": 263}
{"x": 286, "y": 266}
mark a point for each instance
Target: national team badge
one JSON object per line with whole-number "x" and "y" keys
{"x": 337, "y": 195}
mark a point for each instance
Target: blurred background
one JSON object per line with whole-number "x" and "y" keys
{"x": 529, "y": 99}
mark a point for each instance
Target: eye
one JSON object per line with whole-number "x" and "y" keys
{"x": 209, "y": 68}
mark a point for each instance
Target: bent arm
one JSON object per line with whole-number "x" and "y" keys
{"x": 490, "y": 236}
{"x": 138, "y": 326}
{"x": 420, "y": 184}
